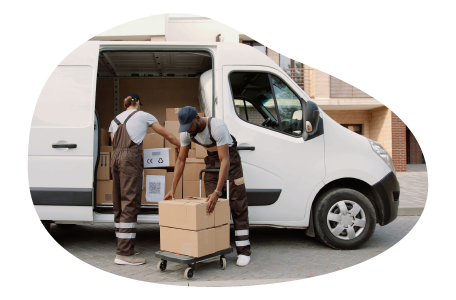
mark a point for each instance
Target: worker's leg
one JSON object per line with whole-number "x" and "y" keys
{"x": 116, "y": 196}
{"x": 131, "y": 188}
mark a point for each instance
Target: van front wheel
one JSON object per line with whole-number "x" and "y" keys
{"x": 344, "y": 219}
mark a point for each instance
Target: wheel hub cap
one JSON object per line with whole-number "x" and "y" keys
{"x": 346, "y": 220}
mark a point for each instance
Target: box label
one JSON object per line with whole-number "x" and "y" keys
{"x": 155, "y": 188}
{"x": 158, "y": 157}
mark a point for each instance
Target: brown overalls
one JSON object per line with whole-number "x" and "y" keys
{"x": 238, "y": 194}
{"x": 126, "y": 169}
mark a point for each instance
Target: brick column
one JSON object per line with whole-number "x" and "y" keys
{"x": 399, "y": 142}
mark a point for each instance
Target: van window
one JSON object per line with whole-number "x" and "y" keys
{"x": 257, "y": 102}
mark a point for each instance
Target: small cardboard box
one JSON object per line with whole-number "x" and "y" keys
{"x": 169, "y": 185}
{"x": 187, "y": 242}
{"x": 201, "y": 152}
{"x": 171, "y": 114}
{"x": 159, "y": 157}
{"x": 150, "y": 130}
{"x": 104, "y": 166}
{"x": 106, "y": 149}
{"x": 201, "y": 114}
{"x": 153, "y": 140}
{"x": 154, "y": 186}
{"x": 190, "y": 214}
{"x": 222, "y": 237}
{"x": 173, "y": 127}
{"x": 193, "y": 166}
{"x": 104, "y": 192}
{"x": 105, "y": 137}
{"x": 191, "y": 189}
{"x": 192, "y": 153}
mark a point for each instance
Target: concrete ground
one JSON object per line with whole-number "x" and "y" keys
{"x": 278, "y": 254}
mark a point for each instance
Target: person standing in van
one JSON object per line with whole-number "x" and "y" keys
{"x": 127, "y": 132}
{"x": 213, "y": 134}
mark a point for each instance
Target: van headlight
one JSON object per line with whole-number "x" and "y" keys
{"x": 383, "y": 154}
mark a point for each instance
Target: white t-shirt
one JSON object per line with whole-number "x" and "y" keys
{"x": 219, "y": 132}
{"x": 136, "y": 125}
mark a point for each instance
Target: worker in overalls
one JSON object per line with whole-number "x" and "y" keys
{"x": 213, "y": 134}
{"x": 127, "y": 132}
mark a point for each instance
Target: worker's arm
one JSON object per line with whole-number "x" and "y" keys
{"x": 110, "y": 134}
{"x": 224, "y": 155}
{"x": 178, "y": 170}
{"x": 166, "y": 134}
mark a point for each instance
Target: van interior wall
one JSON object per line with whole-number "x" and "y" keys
{"x": 156, "y": 94}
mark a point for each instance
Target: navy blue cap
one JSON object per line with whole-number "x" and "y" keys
{"x": 134, "y": 97}
{"x": 186, "y": 116}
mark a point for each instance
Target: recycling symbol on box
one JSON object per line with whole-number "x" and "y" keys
{"x": 160, "y": 160}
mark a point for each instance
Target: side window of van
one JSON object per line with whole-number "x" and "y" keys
{"x": 274, "y": 107}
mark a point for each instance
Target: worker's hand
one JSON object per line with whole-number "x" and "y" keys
{"x": 212, "y": 201}
{"x": 178, "y": 151}
{"x": 169, "y": 196}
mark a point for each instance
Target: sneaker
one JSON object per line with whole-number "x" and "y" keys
{"x": 129, "y": 260}
{"x": 243, "y": 260}
{"x": 136, "y": 251}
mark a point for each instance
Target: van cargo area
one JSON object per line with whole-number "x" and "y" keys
{"x": 162, "y": 79}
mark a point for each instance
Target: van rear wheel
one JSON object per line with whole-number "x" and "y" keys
{"x": 344, "y": 219}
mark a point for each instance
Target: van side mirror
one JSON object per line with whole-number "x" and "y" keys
{"x": 312, "y": 117}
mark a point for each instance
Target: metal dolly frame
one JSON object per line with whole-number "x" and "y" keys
{"x": 166, "y": 256}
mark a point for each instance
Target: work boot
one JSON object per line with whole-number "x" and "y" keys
{"x": 243, "y": 260}
{"x": 129, "y": 260}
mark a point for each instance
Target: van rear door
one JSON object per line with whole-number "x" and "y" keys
{"x": 61, "y": 145}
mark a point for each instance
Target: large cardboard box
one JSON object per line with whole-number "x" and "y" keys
{"x": 150, "y": 130}
{"x": 159, "y": 157}
{"x": 169, "y": 184}
{"x": 193, "y": 166}
{"x": 191, "y": 189}
{"x": 188, "y": 242}
{"x": 201, "y": 114}
{"x": 201, "y": 152}
{"x": 171, "y": 114}
{"x": 191, "y": 153}
{"x": 104, "y": 166}
{"x": 190, "y": 214}
{"x": 222, "y": 237}
{"x": 154, "y": 186}
{"x": 173, "y": 127}
{"x": 104, "y": 192}
{"x": 104, "y": 137}
{"x": 106, "y": 149}
{"x": 153, "y": 140}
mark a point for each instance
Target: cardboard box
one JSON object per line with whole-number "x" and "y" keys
{"x": 104, "y": 166}
{"x": 106, "y": 149}
{"x": 222, "y": 237}
{"x": 154, "y": 186}
{"x": 105, "y": 137}
{"x": 159, "y": 157}
{"x": 201, "y": 152}
{"x": 193, "y": 166}
{"x": 169, "y": 184}
{"x": 104, "y": 192}
{"x": 173, "y": 127}
{"x": 201, "y": 114}
{"x": 191, "y": 189}
{"x": 150, "y": 130}
{"x": 171, "y": 114}
{"x": 187, "y": 242}
{"x": 190, "y": 214}
{"x": 192, "y": 153}
{"x": 153, "y": 140}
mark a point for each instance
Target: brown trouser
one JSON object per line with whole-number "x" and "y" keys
{"x": 126, "y": 169}
{"x": 237, "y": 196}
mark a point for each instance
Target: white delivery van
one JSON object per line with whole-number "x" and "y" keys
{"x": 301, "y": 168}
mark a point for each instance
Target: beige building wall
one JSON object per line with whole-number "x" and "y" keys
{"x": 380, "y": 129}
{"x": 351, "y": 117}
{"x": 322, "y": 84}
{"x": 273, "y": 55}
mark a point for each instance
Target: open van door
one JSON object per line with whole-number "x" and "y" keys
{"x": 61, "y": 145}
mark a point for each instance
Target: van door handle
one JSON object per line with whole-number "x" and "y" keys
{"x": 71, "y": 146}
{"x": 246, "y": 148}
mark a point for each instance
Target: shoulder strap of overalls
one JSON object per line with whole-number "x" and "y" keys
{"x": 128, "y": 118}
{"x": 210, "y": 133}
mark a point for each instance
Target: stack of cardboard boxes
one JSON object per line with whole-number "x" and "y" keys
{"x": 104, "y": 180}
{"x": 186, "y": 229}
{"x": 159, "y": 161}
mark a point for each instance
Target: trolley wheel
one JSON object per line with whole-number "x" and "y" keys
{"x": 188, "y": 273}
{"x": 161, "y": 265}
{"x": 223, "y": 263}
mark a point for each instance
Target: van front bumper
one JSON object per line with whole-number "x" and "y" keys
{"x": 387, "y": 192}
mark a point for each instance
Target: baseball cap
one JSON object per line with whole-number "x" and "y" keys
{"x": 186, "y": 116}
{"x": 134, "y": 97}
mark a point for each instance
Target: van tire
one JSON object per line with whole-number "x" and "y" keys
{"x": 333, "y": 210}
{"x": 47, "y": 225}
